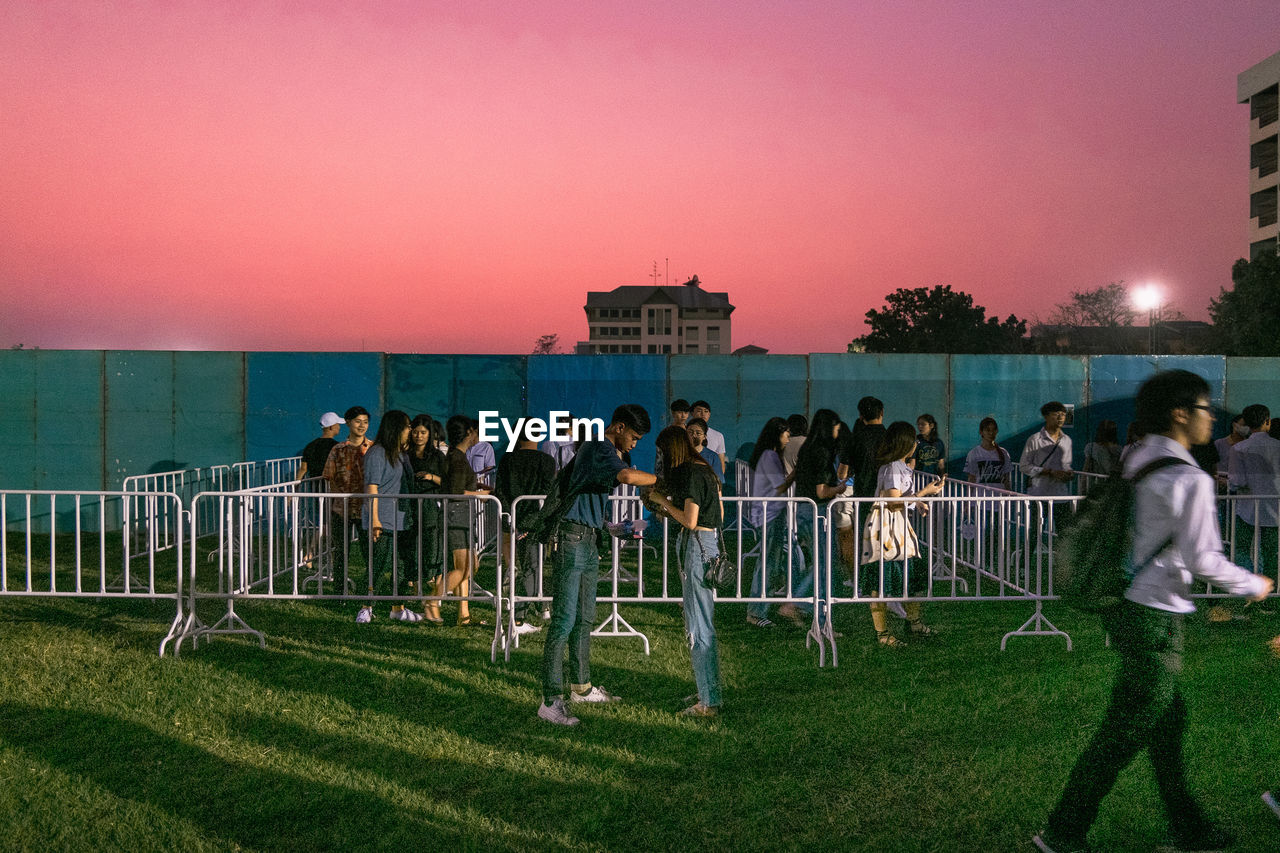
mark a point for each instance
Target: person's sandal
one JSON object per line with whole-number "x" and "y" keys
{"x": 888, "y": 640}
{"x": 760, "y": 621}
{"x": 920, "y": 629}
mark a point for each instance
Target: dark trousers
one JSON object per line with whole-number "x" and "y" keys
{"x": 573, "y": 610}
{"x": 1147, "y": 711}
{"x": 526, "y": 569}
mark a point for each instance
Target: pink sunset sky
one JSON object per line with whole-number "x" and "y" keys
{"x": 453, "y": 177}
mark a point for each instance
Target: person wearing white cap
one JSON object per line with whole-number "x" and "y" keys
{"x": 316, "y": 453}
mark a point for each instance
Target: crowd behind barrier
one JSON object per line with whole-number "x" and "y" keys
{"x": 281, "y": 539}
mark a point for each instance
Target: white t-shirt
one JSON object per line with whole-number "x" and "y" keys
{"x": 896, "y": 475}
{"x": 1255, "y": 470}
{"x": 1043, "y": 453}
{"x": 715, "y": 441}
{"x": 991, "y": 467}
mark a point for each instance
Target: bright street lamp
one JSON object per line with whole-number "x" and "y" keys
{"x": 1147, "y": 298}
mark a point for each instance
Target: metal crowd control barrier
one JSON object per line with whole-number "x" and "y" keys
{"x": 977, "y": 543}
{"x": 270, "y": 472}
{"x": 69, "y": 544}
{"x": 149, "y": 527}
{"x": 782, "y": 583}
{"x": 268, "y": 548}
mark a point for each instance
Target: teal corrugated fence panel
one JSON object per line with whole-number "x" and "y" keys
{"x": 19, "y": 400}
{"x": 209, "y": 407}
{"x": 1249, "y": 381}
{"x": 1114, "y": 381}
{"x": 1011, "y": 389}
{"x": 592, "y": 386}
{"x": 140, "y": 415}
{"x": 767, "y": 387}
{"x": 287, "y": 392}
{"x": 69, "y": 420}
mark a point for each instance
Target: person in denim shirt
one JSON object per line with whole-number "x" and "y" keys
{"x": 598, "y": 467}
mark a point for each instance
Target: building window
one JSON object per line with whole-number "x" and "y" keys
{"x": 1265, "y": 106}
{"x": 653, "y": 348}
{"x": 713, "y": 349}
{"x": 666, "y": 348}
{"x": 713, "y": 333}
{"x": 1267, "y": 245}
{"x": 691, "y": 333}
{"x": 1262, "y": 156}
{"x": 690, "y": 347}
{"x": 659, "y": 321}
{"x": 1262, "y": 206}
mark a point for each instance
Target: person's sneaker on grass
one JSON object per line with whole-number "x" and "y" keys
{"x": 697, "y": 709}
{"x": 404, "y": 614}
{"x": 365, "y": 616}
{"x": 523, "y": 628}
{"x": 1047, "y": 843}
{"x": 592, "y": 694}
{"x": 556, "y": 713}
{"x": 1273, "y": 802}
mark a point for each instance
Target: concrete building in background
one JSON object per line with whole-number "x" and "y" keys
{"x": 654, "y": 319}
{"x": 1259, "y": 87}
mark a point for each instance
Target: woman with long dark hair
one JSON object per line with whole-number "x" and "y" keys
{"x": 1102, "y": 455}
{"x": 460, "y": 479}
{"x": 815, "y": 478}
{"x": 695, "y": 504}
{"x": 428, "y": 466}
{"x": 769, "y": 518}
{"x": 385, "y": 466}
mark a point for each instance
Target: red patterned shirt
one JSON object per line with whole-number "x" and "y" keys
{"x": 344, "y": 472}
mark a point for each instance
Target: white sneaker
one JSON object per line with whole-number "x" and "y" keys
{"x": 546, "y": 614}
{"x": 364, "y": 616}
{"x": 523, "y": 628}
{"x": 556, "y": 713}
{"x": 406, "y": 615}
{"x": 1272, "y": 802}
{"x": 595, "y": 694}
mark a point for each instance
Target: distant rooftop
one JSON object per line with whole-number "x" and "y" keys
{"x": 688, "y": 295}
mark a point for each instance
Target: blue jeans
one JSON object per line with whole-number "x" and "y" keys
{"x": 573, "y": 610}
{"x": 699, "y": 606}
{"x": 774, "y": 562}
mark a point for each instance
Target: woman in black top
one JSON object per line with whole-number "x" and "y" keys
{"x": 428, "y": 465}
{"x": 815, "y": 477}
{"x": 459, "y": 479}
{"x": 694, "y": 502}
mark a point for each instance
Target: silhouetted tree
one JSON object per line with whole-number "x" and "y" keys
{"x": 1247, "y": 317}
{"x": 1108, "y": 305}
{"x": 938, "y": 320}
{"x": 547, "y": 345}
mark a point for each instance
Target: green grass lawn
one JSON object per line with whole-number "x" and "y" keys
{"x": 390, "y": 736}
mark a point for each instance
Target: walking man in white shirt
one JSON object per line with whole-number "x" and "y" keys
{"x": 1176, "y": 521}
{"x": 1255, "y": 470}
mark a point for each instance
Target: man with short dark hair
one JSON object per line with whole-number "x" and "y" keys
{"x": 1255, "y": 470}
{"x": 344, "y": 475}
{"x": 1175, "y": 540}
{"x": 680, "y": 409}
{"x": 598, "y": 467}
{"x": 1046, "y": 457}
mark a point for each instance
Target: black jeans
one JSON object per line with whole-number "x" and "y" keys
{"x": 1147, "y": 711}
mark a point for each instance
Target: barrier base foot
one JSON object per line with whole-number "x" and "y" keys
{"x": 1036, "y": 626}
{"x": 615, "y": 626}
{"x": 230, "y": 623}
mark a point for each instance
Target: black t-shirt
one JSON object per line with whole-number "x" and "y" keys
{"x": 697, "y": 482}
{"x": 316, "y": 454}
{"x": 458, "y": 478}
{"x": 523, "y": 471}
{"x": 859, "y": 453}
{"x": 814, "y": 467}
{"x": 433, "y": 462}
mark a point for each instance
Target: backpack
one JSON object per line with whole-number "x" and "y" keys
{"x": 1093, "y": 548}
{"x": 540, "y": 525}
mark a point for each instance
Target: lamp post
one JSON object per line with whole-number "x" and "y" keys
{"x": 1147, "y": 298}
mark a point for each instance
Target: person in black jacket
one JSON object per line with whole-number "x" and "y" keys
{"x": 526, "y": 470}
